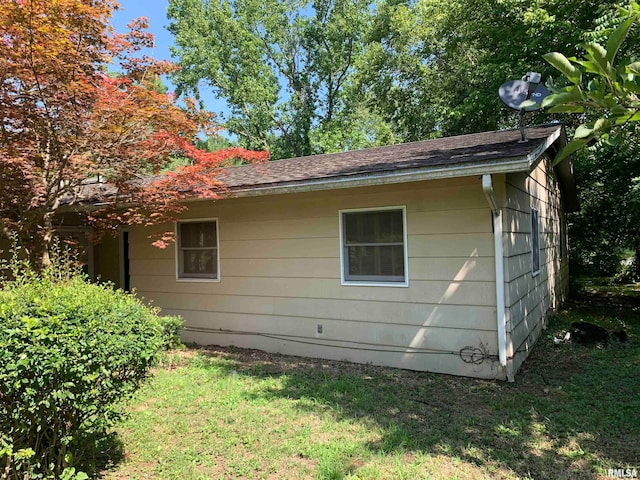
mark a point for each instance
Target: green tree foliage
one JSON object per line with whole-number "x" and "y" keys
{"x": 306, "y": 77}
{"x": 603, "y": 86}
{"x": 285, "y": 70}
{"x": 436, "y": 65}
{"x": 607, "y": 226}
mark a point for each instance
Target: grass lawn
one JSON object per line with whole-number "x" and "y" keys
{"x": 226, "y": 413}
{"x": 601, "y": 287}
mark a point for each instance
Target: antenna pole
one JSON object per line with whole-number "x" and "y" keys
{"x": 521, "y": 126}
{"x": 516, "y": 92}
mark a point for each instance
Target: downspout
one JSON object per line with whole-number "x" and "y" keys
{"x": 487, "y": 188}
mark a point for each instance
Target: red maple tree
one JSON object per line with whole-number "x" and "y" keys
{"x": 66, "y": 120}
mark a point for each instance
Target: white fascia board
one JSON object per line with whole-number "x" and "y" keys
{"x": 536, "y": 154}
{"x": 518, "y": 164}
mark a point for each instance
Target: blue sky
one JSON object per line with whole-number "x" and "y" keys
{"x": 156, "y": 12}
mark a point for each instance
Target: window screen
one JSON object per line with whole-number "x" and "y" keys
{"x": 198, "y": 249}
{"x": 374, "y": 247}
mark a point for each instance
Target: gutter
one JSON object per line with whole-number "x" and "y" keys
{"x": 518, "y": 164}
{"x": 501, "y": 321}
{"x": 500, "y": 165}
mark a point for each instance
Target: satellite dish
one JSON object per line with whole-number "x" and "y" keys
{"x": 514, "y": 92}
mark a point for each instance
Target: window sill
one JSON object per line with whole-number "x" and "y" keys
{"x": 198, "y": 280}
{"x": 346, "y": 283}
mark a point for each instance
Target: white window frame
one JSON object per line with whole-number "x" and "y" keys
{"x": 535, "y": 240}
{"x": 372, "y": 283}
{"x": 180, "y": 278}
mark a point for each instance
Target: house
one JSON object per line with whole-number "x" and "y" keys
{"x": 443, "y": 255}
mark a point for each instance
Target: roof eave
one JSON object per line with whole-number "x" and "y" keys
{"x": 536, "y": 153}
{"x": 523, "y": 163}
{"x": 564, "y": 169}
{"x": 517, "y": 164}
{"x": 510, "y": 165}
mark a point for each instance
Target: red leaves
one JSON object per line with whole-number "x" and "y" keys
{"x": 65, "y": 121}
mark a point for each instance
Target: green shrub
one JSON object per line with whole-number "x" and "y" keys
{"x": 172, "y": 326}
{"x": 70, "y": 352}
{"x": 627, "y": 273}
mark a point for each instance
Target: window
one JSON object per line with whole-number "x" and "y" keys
{"x": 373, "y": 244}
{"x": 197, "y": 249}
{"x": 535, "y": 242}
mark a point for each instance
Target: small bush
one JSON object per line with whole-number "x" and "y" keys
{"x": 70, "y": 351}
{"x": 627, "y": 273}
{"x": 172, "y": 326}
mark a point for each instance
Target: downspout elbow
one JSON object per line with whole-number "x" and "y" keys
{"x": 487, "y": 188}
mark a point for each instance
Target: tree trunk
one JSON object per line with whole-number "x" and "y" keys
{"x": 43, "y": 250}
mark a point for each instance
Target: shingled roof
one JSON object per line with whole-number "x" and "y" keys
{"x": 442, "y": 155}
{"x": 463, "y": 155}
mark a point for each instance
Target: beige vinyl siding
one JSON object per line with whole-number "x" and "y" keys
{"x": 280, "y": 279}
{"x": 433, "y": 292}
{"x": 530, "y": 297}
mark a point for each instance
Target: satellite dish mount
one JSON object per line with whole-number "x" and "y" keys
{"x": 515, "y": 92}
